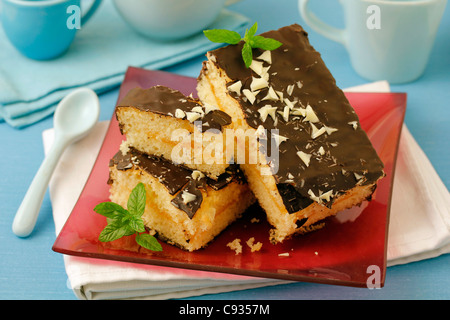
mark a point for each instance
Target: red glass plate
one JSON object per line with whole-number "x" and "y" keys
{"x": 347, "y": 251}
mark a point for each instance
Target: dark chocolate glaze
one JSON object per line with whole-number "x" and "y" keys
{"x": 346, "y": 158}
{"x": 165, "y": 101}
{"x": 176, "y": 179}
{"x": 191, "y": 207}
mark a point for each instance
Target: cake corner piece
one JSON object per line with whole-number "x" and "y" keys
{"x": 325, "y": 162}
{"x": 183, "y": 207}
{"x": 164, "y": 122}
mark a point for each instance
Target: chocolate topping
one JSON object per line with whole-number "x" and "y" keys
{"x": 189, "y": 199}
{"x": 170, "y": 102}
{"x": 324, "y": 152}
{"x": 176, "y": 179}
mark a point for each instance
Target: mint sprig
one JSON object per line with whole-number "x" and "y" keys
{"x": 251, "y": 41}
{"x": 123, "y": 222}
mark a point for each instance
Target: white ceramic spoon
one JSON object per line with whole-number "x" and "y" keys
{"x": 74, "y": 117}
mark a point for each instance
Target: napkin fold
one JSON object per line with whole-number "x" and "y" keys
{"x": 419, "y": 226}
{"x": 98, "y": 58}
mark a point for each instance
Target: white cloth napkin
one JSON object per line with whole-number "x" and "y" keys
{"x": 419, "y": 226}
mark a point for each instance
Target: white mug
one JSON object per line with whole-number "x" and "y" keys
{"x": 170, "y": 19}
{"x": 386, "y": 39}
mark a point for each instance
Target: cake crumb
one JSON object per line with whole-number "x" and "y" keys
{"x": 235, "y": 245}
{"x": 124, "y": 147}
{"x": 254, "y": 220}
{"x": 254, "y": 246}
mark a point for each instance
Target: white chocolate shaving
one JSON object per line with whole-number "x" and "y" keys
{"x": 317, "y": 132}
{"x": 198, "y": 110}
{"x": 236, "y": 87}
{"x": 267, "y": 110}
{"x": 321, "y": 151}
{"x": 279, "y": 139}
{"x": 258, "y": 83}
{"x": 179, "y": 114}
{"x": 192, "y": 116}
{"x": 209, "y": 107}
{"x": 271, "y": 95}
{"x": 285, "y": 113}
{"x": 305, "y": 157}
{"x": 313, "y": 196}
{"x": 326, "y": 196}
{"x": 354, "y": 124}
{"x": 266, "y": 56}
{"x": 298, "y": 112}
{"x": 289, "y": 103}
{"x": 188, "y": 197}
{"x": 358, "y": 176}
{"x": 310, "y": 115}
{"x": 330, "y": 130}
{"x": 257, "y": 66}
{"x": 251, "y": 96}
{"x": 197, "y": 175}
{"x": 290, "y": 89}
{"x": 265, "y": 73}
{"x": 280, "y": 94}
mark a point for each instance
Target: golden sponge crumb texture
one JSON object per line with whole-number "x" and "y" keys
{"x": 161, "y": 121}
{"x": 188, "y": 229}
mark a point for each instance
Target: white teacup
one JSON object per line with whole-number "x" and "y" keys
{"x": 386, "y": 39}
{"x": 170, "y": 19}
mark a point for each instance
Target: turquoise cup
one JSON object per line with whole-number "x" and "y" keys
{"x": 386, "y": 39}
{"x": 43, "y": 29}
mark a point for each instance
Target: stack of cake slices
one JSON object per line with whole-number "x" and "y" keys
{"x": 191, "y": 197}
{"x": 312, "y": 157}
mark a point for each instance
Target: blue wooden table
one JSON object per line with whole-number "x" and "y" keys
{"x": 29, "y": 269}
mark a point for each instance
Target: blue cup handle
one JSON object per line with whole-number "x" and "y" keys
{"x": 90, "y": 12}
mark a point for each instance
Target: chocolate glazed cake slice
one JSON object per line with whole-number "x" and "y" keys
{"x": 325, "y": 163}
{"x": 163, "y": 122}
{"x": 184, "y": 207}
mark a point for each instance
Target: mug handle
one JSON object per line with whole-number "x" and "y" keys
{"x": 335, "y": 34}
{"x": 90, "y": 11}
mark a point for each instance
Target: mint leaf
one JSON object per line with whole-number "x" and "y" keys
{"x": 122, "y": 222}
{"x": 137, "y": 224}
{"x": 113, "y": 232}
{"x": 251, "y": 32}
{"x": 250, "y": 41}
{"x": 109, "y": 209}
{"x": 265, "y": 43}
{"x": 148, "y": 241}
{"x": 222, "y": 36}
{"x": 136, "y": 201}
{"x": 247, "y": 54}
